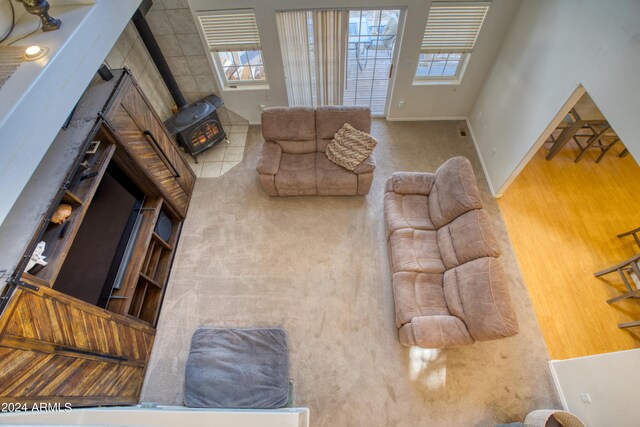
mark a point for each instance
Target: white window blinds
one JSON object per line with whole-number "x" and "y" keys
{"x": 229, "y": 30}
{"x": 453, "y": 27}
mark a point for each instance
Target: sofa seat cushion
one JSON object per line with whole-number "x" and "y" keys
{"x": 435, "y": 332}
{"x": 468, "y": 237}
{"x": 415, "y": 250}
{"x": 297, "y": 175}
{"x": 418, "y": 294}
{"x": 333, "y": 179}
{"x": 406, "y": 211}
{"x": 477, "y": 293}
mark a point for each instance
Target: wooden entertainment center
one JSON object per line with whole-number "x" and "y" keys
{"x": 80, "y": 330}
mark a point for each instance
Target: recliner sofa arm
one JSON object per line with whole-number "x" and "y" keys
{"x": 411, "y": 183}
{"x": 477, "y": 293}
{"x": 367, "y": 166}
{"x": 439, "y": 331}
{"x": 269, "y": 162}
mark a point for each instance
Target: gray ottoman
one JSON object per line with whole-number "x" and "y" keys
{"x": 237, "y": 368}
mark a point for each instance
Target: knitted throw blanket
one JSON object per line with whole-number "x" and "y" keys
{"x": 350, "y": 147}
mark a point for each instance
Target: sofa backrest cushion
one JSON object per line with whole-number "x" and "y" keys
{"x": 330, "y": 119}
{"x": 293, "y": 128}
{"x": 470, "y": 236}
{"x": 477, "y": 293}
{"x": 454, "y": 191}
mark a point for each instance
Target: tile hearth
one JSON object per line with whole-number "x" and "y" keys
{"x": 220, "y": 159}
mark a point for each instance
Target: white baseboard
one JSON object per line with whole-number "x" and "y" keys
{"x": 558, "y": 386}
{"x": 473, "y": 138}
{"x": 484, "y": 167}
{"x": 422, "y": 119}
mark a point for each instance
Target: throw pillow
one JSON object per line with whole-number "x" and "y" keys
{"x": 350, "y": 147}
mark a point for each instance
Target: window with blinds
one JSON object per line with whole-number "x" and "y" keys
{"x": 234, "y": 42}
{"x": 449, "y": 37}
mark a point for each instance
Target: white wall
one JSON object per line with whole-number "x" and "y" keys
{"x": 5, "y": 14}
{"x": 420, "y": 101}
{"x": 611, "y": 381}
{"x": 552, "y": 47}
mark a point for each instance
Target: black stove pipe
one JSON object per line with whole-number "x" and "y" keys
{"x": 156, "y": 54}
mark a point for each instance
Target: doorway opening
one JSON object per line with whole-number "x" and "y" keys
{"x": 370, "y": 55}
{"x": 567, "y": 212}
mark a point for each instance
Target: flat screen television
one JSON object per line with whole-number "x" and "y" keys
{"x": 91, "y": 268}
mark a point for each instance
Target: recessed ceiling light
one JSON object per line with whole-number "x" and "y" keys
{"x": 34, "y": 52}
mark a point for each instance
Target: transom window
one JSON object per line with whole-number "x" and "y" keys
{"x": 242, "y": 65}
{"x": 449, "y": 37}
{"x": 439, "y": 65}
{"x": 234, "y": 42}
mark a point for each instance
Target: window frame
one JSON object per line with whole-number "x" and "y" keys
{"x": 445, "y": 34}
{"x": 441, "y": 80}
{"x": 227, "y": 84}
{"x": 229, "y": 46}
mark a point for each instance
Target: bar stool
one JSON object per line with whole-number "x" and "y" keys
{"x": 630, "y": 274}
{"x": 635, "y": 232}
{"x": 603, "y": 139}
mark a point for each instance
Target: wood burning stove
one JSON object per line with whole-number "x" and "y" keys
{"x": 197, "y": 127}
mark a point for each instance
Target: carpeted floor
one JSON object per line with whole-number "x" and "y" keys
{"x": 318, "y": 266}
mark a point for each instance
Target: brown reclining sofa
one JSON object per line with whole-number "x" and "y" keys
{"x": 293, "y": 160}
{"x": 448, "y": 285}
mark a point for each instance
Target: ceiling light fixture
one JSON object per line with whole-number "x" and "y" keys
{"x": 35, "y": 52}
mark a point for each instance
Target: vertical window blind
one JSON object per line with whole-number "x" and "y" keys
{"x": 230, "y": 30}
{"x": 293, "y": 30}
{"x": 314, "y": 61}
{"x": 453, "y": 27}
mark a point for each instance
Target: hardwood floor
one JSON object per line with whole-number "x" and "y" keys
{"x": 563, "y": 219}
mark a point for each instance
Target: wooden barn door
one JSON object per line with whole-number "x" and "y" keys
{"x": 57, "y": 349}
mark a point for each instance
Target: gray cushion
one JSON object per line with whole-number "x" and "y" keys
{"x": 237, "y": 368}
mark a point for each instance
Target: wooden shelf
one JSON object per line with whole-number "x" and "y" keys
{"x": 87, "y": 180}
{"x": 153, "y": 257}
{"x": 58, "y": 238}
{"x": 148, "y": 286}
{"x": 150, "y": 280}
{"x": 159, "y": 240}
{"x": 137, "y": 300}
{"x": 70, "y": 198}
{"x": 33, "y": 280}
{"x": 151, "y": 304}
{"x": 131, "y": 281}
